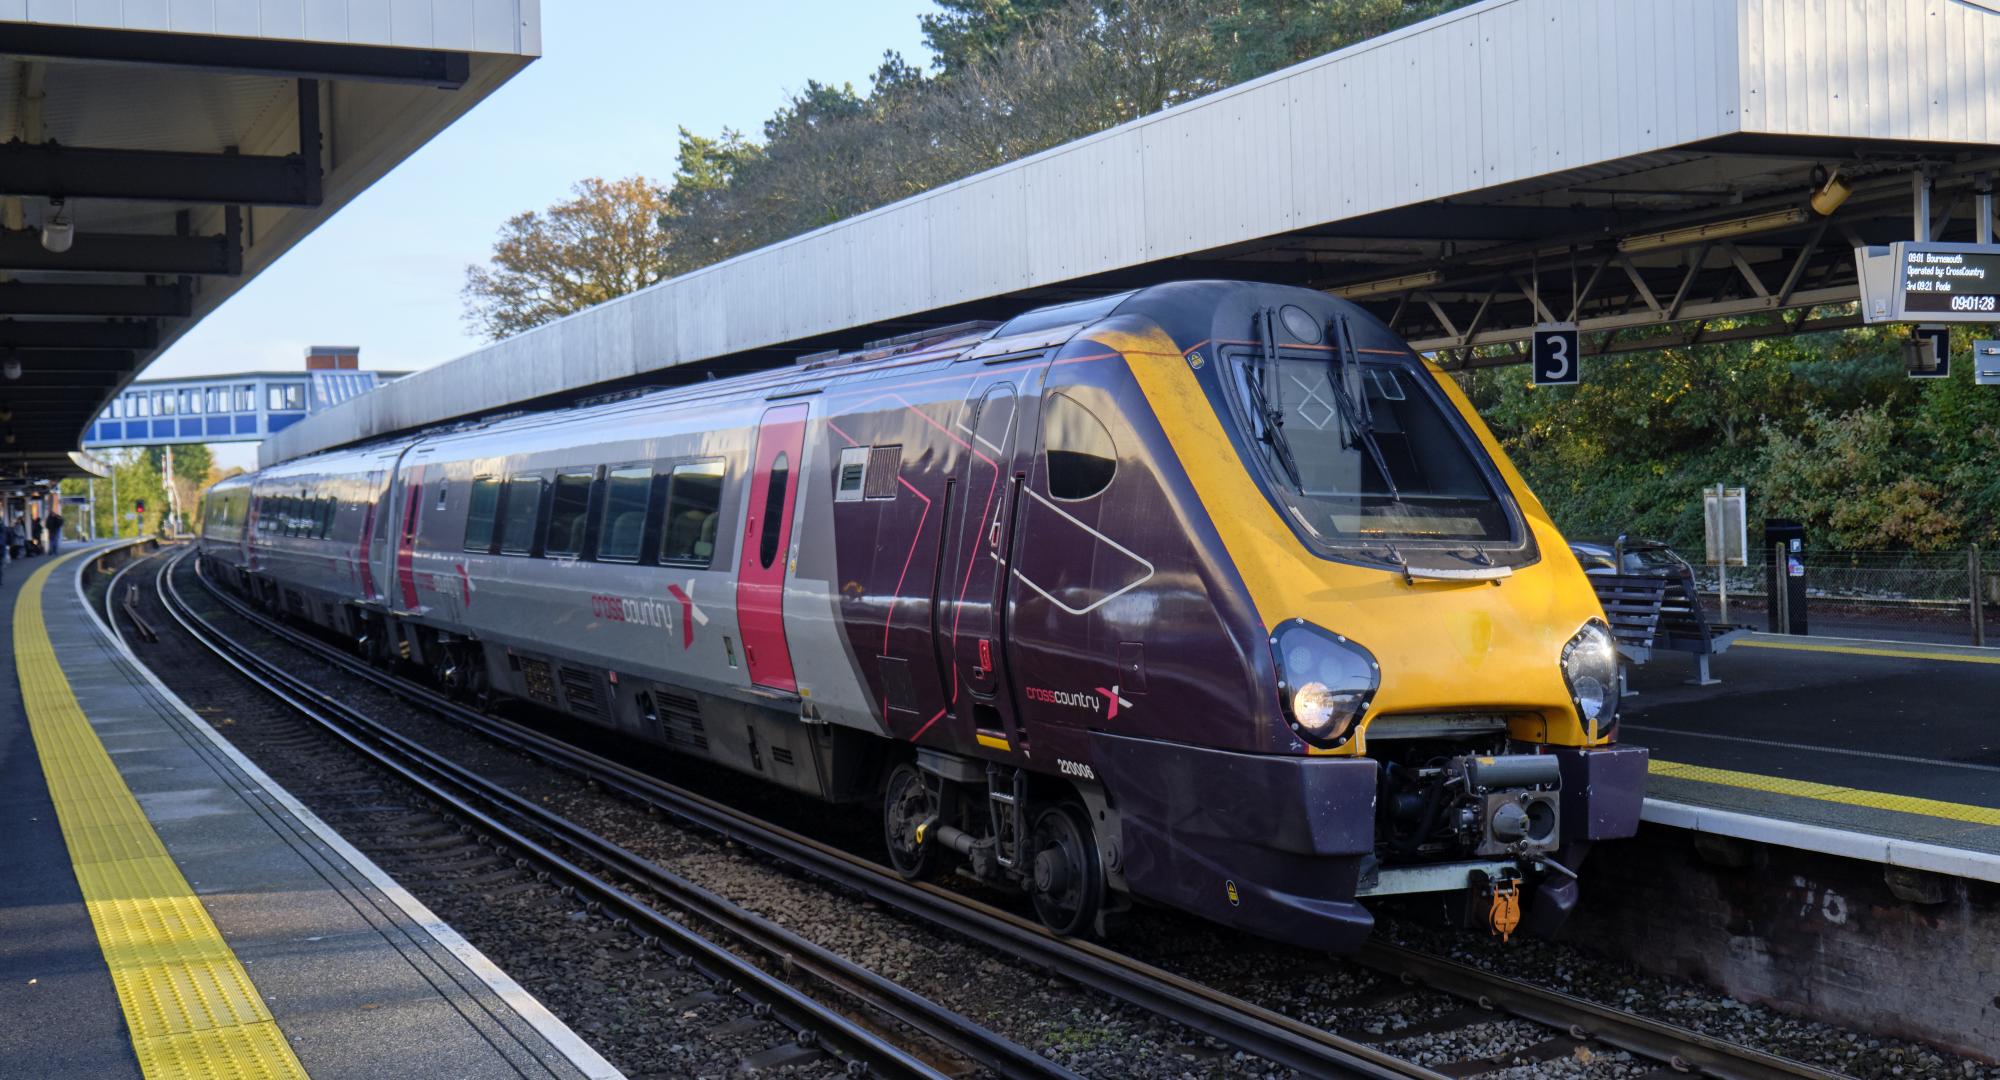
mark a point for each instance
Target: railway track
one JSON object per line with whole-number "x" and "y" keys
{"x": 1484, "y": 996}
{"x": 592, "y": 868}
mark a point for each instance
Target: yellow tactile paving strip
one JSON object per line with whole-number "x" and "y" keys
{"x": 1868, "y": 650}
{"x": 190, "y": 1006}
{"x": 1806, "y": 789}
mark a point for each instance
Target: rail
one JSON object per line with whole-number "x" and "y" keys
{"x": 508, "y": 817}
{"x": 1247, "y": 1026}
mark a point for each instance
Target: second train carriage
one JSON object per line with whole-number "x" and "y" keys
{"x": 1211, "y": 593}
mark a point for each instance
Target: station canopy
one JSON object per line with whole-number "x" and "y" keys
{"x": 154, "y": 157}
{"x": 1659, "y": 172}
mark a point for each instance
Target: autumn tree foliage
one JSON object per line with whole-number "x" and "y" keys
{"x": 607, "y": 240}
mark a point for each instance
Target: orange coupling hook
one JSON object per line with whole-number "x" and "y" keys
{"x": 1503, "y": 914}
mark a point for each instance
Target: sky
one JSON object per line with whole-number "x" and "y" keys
{"x": 616, "y": 81}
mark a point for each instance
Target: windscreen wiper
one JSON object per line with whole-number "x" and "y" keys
{"x": 1271, "y": 417}
{"x": 1359, "y": 418}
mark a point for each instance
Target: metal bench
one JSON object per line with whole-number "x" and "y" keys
{"x": 1648, "y": 612}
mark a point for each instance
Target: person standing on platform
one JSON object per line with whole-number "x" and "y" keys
{"x": 13, "y": 540}
{"x": 55, "y": 531}
{"x": 34, "y": 536}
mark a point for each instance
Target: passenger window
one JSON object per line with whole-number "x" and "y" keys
{"x": 524, "y": 505}
{"x": 568, "y": 512}
{"x": 622, "y": 524}
{"x": 774, "y": 511}
{"x": 479, "y": 514}
{"x": 1080, "y": 455}
{"x": 328, "y": 506}
{"x": 694, "y": 496}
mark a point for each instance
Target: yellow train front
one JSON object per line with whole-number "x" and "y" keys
{"x": 1350, "y": 655}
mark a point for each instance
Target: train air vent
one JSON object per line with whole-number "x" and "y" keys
{"x": 680, "y": 718}
{"x": 536, "y": 680}
{"x": 580, "y": 687}
{"x": 781, "y": 754}
{"x": 885, "y": 464}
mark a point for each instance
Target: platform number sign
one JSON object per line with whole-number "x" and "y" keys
{"x": 1553, "y": 348}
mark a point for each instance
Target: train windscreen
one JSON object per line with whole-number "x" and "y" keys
{"x": 1381, "y": 462}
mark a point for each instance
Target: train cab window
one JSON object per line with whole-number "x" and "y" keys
{"x": 479, "y": 514}
{"x": 1081, "y": 457}
{"x": 569, "y": 511}
{"x": 622, "y": 523}
{"x": 694, "y": 496}
{"x": 524, "y": 506}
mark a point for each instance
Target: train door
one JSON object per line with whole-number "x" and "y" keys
{"x": 381, "y": 522}
{"x": 772, "y": 491}
{"x": 409, "y": 514}
{"x": 971, "y": 624}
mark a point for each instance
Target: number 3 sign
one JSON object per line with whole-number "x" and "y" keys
{"x": 1554, "y": 352}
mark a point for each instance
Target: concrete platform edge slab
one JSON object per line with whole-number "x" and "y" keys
{"x": 1825, "y": 840}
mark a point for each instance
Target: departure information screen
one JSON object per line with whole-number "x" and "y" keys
{"x": 1963, "y": 283}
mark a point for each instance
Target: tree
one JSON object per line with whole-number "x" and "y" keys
{"x": 1264, "y": 35}
{"x": 610, "y": 239}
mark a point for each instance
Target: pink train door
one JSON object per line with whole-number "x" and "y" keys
{"x": 767, "y": 538}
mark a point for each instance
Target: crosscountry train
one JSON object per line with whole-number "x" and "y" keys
{"x": 1212, "y": 593}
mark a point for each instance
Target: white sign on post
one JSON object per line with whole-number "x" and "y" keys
{"x": 1726, "y": 532}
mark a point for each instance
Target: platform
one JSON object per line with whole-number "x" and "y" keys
{"x": 1881, "y": 750}
{"x": 168, "y": 910}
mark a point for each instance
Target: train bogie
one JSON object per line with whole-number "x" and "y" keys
{"x": 1211, "y": 594}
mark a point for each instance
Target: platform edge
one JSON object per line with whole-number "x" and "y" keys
{"x": 1825, "y": 840}
{"x": 530, "y": 1009}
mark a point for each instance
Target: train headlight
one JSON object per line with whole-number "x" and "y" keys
{"x": 1590, "y": 668}
{"x": 1325, "y": 681}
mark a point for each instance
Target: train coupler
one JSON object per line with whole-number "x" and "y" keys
{"x": 1498, "y": 900}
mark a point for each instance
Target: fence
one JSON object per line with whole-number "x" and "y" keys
{"x": 1923, "y": 595}
{"x": 1872, "y": 577}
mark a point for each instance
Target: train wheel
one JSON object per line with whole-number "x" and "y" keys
{"x": 1068, "y": 878}
{"x": 908, "y": 804}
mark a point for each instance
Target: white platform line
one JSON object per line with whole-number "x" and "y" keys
{"x": 1825, "y": 840}
{"x": 524, "y": 1004}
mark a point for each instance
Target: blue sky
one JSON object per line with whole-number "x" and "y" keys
{"x": 617, "y": 78}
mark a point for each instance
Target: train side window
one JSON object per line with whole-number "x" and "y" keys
{"x": 774, "y": 510}
{"x": 479, "y": 513}
{"x": 622, "y": 523}
{"x": 1081, "y": 456}
{"x": 524, "y": 504}
{"x": 693, "y": 498}
{"x": 569, "y": 512}
{"x": 328, "y": 506}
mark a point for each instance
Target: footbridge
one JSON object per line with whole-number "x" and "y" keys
{"x": 1654, "y": 171}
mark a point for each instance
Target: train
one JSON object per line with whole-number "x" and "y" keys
{"x": 1210, "y": 594}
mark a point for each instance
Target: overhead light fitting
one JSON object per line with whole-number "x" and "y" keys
{"x": 1720, "y": 230}
{"x": 11, "y": 368}
{"x": 58, "y": 230}
{"x": 1829, "y": 191}
{"x": 1388, "y": 285}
